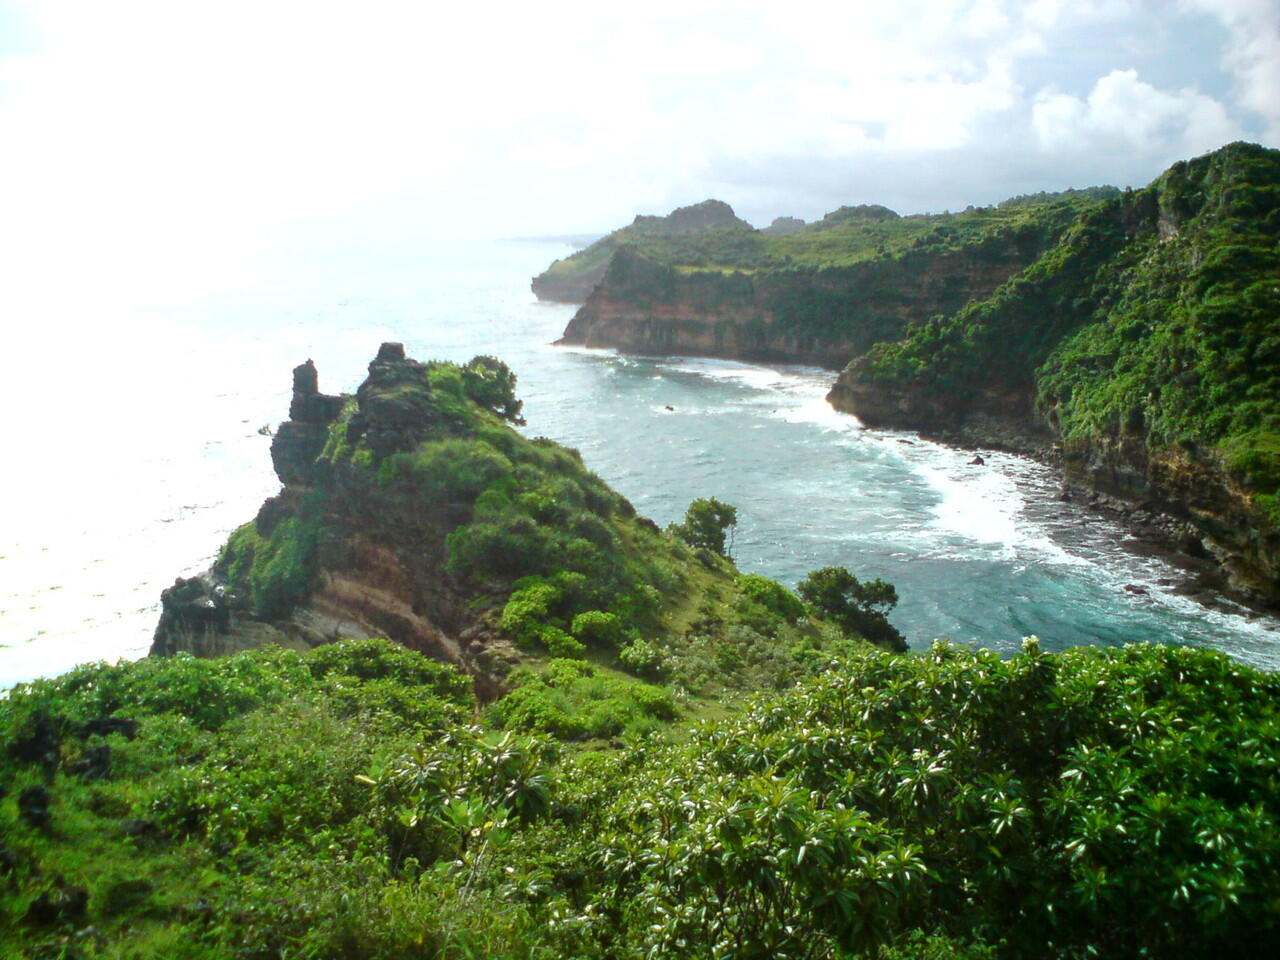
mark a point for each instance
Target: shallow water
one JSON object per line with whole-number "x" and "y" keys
{"x": 146, "y": 452}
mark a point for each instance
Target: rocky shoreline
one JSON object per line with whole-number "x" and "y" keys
{"x": 1205, "y": 574}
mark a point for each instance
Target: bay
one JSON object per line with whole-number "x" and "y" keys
{"x": 139, "y": 443}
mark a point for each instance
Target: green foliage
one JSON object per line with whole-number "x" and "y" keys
{"x": 771, "y": 595}
{"x": 706, "y": 523}
{"x": 454, "y": 469}
{"x": 1100, "y": 802}
{"x": 948, "y": 805}
{"x": 529, "y": 609}
{"x": 599, "y": 628}
{"x": 274, "y": 573}
{"x": 856, "y": 607}
{"x": 1152, "y": 318}
{"x": 490, "y": 383}
{"x": 573, "y": 700}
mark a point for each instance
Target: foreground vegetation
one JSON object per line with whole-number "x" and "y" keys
{"x": 357, "y": 802}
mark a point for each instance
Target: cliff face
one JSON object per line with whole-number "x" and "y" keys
{"x": 354, "y": 558}
{"x": 1143, "y": 344}
{"x": 793, "y": 315}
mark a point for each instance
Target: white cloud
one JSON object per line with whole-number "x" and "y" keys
{"x": 1124, "y": 113}
{"x": 1252, "y": 54}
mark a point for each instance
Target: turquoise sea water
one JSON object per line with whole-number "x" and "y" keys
{"x": 146, "y": 452}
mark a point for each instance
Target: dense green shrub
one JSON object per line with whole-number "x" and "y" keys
{"x": 599, "y": 628}
{"x": 771, "y": 595}
{"x": 859, "y": 608}
{"x": 574, "y": 700}
{"x": 948, "y": 805}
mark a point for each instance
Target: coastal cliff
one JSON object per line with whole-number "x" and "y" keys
{"x": 413, "y": 511}
{"x": 795, "y": 312}
{"x": 1143, "y": 345}
{"x": 337, "y": 554}
{"x": 1128, "y": 336}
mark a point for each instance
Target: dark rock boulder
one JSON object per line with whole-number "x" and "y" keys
{"x": 192, "y": 607}
{"x": 395, "y": 410}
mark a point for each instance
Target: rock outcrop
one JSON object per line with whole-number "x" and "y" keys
{"x": 370, "y": 561}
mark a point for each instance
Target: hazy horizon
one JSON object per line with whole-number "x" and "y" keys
{"x": 157, "y": 152}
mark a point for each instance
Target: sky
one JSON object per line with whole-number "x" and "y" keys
{"x": 178, "y": 146}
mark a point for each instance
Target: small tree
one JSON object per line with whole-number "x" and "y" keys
{"x": 489, "y": 382}
{"x": 855, "y": 607}
{"x": 706, "y": 523}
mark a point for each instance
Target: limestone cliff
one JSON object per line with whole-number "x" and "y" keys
{"x": 414, "y": 511}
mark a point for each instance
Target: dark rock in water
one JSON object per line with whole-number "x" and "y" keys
{"x": 1136, "y": 588}
{"x": 33, "y": 806}
{"x": 95, "y": 764}
{"x": 102, "y": 726}
{"x": 65, "y": 903}
{"x": 191, "y": 607}
{"x": 977, "y": 461}
{"x": 38, "y": 740}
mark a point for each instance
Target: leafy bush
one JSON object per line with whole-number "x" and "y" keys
{"x": 771, "y": 595}
{"x": 574, "y": 700}
{"x": 598, "y": 628}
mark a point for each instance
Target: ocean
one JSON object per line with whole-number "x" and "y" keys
{"x": 140, "y": 441}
